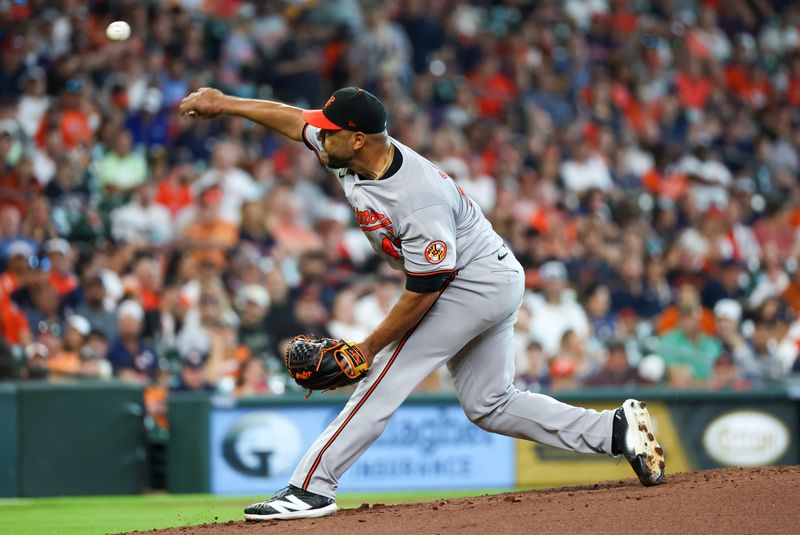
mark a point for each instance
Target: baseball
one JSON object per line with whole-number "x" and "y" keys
{"x": 119, "y": 30}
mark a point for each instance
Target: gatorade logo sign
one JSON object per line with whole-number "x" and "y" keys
{"x": 262, "y": 444}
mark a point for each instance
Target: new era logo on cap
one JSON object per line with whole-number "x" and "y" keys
{"x": 350, "y": 108}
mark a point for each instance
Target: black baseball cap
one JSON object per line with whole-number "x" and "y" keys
{"x": 350, "y": 108}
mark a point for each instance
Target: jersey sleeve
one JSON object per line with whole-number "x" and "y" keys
{"x": 310, "y": 140}
{"x": 429, "y": 241}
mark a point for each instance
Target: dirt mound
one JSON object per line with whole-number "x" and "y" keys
{"x": 731, "y": 500}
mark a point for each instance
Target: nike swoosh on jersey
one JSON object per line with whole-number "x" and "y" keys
{"x": 499, "y": 257}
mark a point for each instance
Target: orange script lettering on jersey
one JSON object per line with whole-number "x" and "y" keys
{"x": 370, "y": 220}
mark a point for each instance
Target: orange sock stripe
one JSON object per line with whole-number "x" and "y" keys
{"x": 371, "y": 390}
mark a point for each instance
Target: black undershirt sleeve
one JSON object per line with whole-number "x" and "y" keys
{"x": 423, "y": 284}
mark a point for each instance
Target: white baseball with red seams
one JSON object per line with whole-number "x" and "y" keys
{"x": 424, "y": 224}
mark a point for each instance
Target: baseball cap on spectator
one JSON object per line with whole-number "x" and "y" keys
{"x": 20, "y": 248}
{"x": 132, "y": 309}
{"x": 252, "y": 293}
{"x": 350, "y": 108}
{"x": 562, "y": 367}
{"x": 80, "y": 324}
{"x": 194, "y": 359}
{"x": 553, "y": 270}
{"x": 57, "y": 245}
{"x": 652, "y": 368}
{"x": 728, "y": 309}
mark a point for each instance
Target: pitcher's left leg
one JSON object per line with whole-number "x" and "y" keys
{"x": 483, "y": 374}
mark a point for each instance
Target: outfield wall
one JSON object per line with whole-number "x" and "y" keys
{"x": 71, "y": 439}
{"x": 89, "y": 438}
{"x": 252, "y": 445}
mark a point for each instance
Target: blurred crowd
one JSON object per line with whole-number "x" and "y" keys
{"x": 640, "y": 159}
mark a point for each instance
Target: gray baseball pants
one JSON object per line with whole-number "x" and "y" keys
{"x": 471, "y": 329}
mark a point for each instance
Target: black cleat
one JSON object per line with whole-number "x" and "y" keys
{"x": 632, "y": 436}
{"x": 290, "y": 503}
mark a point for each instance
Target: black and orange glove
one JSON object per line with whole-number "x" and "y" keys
{"x": 324, "y": 363}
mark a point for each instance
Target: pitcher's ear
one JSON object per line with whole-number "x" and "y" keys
{"x": 359, "y": 140}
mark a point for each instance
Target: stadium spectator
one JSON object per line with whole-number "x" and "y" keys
{"x": 650, "y": 150}
{"x": 615, "y": 370}
{"x": 725, "y": 376}
{"x": 142, "y": 221}
{"x": 235, "y": 185}
{"x": 253, "y": 303}
{"x": 555, "y": 311}
{"x": 132, "y": 359}
{"x": 343, "y": 320}
{"x": 35, "y": 365}
{"x": 61, "y": 259}
{"x": 688, "y": 353}
{"x": 192, "y": 374}
{"x": 122, "y": 169}
{"x": 370, "y": 309}
{"x": 94, "y": 307}
{"x": 226, "y": 353}
{"x": 252, "y": 378}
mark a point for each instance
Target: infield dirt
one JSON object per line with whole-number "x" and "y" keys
{"x": 729, "y": 501}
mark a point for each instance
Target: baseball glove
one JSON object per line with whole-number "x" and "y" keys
{"x": 324, "y": 363}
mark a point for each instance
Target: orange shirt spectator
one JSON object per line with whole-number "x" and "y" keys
{"x": 13, "y": 324}
{"x": 693, "y": 91}
{"x": 174, "y": 192}
{"x": 66, "y": 363}
{"x": 668, "y": 320}
{"x": 74, "y": 127}
{"x": 670, "y": 185}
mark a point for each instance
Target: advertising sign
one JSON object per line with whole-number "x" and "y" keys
{"x": 540, "y": 465}
{"x": 429, "y": 447}
{"x": 746, "y": 438}
{"x": 255, "y": 450}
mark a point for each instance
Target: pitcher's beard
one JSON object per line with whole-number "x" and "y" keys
{"x": 338, "y": 163}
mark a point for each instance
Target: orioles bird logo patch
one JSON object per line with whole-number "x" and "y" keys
{"x": 435, "y": 251}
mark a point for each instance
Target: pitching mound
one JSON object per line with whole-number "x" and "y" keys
{"x": 732, "y": 500}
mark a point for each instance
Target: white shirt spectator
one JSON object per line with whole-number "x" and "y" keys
{"x": 549, "y": 321}
{"x": 30, "y": 110}
{"x": 711, "y": 171}
{"x": 592, "y": 172}
{"x": 582, "y": 11}
{"x": 370, "y": 310}
{"x": 138, "y": 223}
{"x": 237, "y": 185}
{"x": 768, "y": 285}
{"x": 44, "y": 168}
{"x": 193, "y": 336}
{"x": 481, "y": 189}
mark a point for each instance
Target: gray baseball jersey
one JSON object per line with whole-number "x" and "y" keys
{"x": 425, "y": 225}
{"x": 418, "y": 217}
